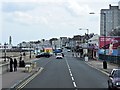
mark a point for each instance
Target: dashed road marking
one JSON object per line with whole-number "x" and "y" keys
{"x": 69, "y": 69}
{"x": 74, "y": 84}
{"x": 71, "y": 75}
{"x": 73, "y": 80}
{"x": 70, "y": 72}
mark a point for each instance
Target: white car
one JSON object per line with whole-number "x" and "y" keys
{"x": 59, "y": 56}
{"x": 68, "y": 50}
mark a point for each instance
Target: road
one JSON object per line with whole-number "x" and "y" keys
{"x": 68, "y": 72}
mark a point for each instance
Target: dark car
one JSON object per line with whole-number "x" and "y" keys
{"x": 43, "y": 55}
{"x": 114, "y": 80}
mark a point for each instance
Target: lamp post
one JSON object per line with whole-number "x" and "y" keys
{"x": 5, "y": 50}
{"x": 20, "y": 48}
{"x": 87, "y": 40}
{"x": 30, "y": 50}
{"x": 104, "y": 17}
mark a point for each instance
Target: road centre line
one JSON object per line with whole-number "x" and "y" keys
{"x": 69, "y": 69}
{"x": 74, "y": 84}
{"x": 71, "y": 75}
{"x": 72, "y": 78}
{"x": 70, "y": 72}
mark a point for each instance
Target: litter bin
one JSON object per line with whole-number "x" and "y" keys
{"x": 104, "y": 64}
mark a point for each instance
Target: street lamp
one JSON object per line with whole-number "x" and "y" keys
{"x": 5, "y": 50}
{"x": 104, "y": 62}
{"x": 30, "y": 50}
{"x": 20, "y": 48}
{"x": 87, "y": 39}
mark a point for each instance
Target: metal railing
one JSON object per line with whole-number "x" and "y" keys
{"x": 110, "y": 58}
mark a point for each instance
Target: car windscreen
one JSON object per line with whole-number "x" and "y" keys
{"x": 116, "y": 73}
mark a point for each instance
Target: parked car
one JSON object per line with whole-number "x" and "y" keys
{"x": 68, "y": 50}
{"x": 59, "y": 56}
{"x": 114, "y": 79}
{"x": 43, "y": 54}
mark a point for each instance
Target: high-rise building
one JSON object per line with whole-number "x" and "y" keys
{"x": 110, "y": 20}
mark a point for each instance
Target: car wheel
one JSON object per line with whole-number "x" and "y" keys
{"x": 109, "y": 88}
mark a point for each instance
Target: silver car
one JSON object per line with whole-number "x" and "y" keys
{"x": 114, "y": 79}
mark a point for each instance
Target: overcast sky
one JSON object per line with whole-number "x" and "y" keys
{"x": 27, "y": 20}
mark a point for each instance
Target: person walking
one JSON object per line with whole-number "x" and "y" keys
{"x": 15, "y": 64}
{"x": 11, "y": 65}
{"x": 20, "y": 61}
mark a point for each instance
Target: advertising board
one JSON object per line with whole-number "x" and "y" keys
{"x": 110, "y": 44}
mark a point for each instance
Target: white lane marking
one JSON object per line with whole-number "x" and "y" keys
{"x": 70, "y": 72}
{"x": 74, "y": 84}
{"x": 72, "y": 78}
{"x": 71, "y": 75}
{"x": 68, "y": 67}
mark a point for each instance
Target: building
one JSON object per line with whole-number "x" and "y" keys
{"x": 110, "y": 20}
{"x": 94, "y": 40}
{"x": 56, "y": 44}
{"x": 63, "y": 41}
{"x": 5, "y": 46}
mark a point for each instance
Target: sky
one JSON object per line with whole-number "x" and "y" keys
{"x": 32, "y": 20}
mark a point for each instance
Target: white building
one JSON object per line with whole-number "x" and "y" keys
{"x": 56, "y": 44}
{"x": 94, "y": 40}
{"x": 7, "y": 46}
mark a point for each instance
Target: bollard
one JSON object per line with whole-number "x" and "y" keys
{"x": 86, "y": 58}
{"x": 28, "y": 68}
{"x": 104, "y": 64}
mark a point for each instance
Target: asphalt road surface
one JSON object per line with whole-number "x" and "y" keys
{"x": 68, "y": 72}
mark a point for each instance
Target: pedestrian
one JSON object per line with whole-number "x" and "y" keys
{"x": 15, "y": 64}
{"x": 11, "y": 65}
{"x": 20, "y": 61}
{"x": 24, "y": 54}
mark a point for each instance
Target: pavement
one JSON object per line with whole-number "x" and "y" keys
{"x": 12, "y": 79}
{"x": 98, "y": 64}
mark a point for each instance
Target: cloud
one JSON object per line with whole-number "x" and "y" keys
{"x": 26, "y": 18}
{"x": 15, "y": 6}
{"x": 78, "y": 9}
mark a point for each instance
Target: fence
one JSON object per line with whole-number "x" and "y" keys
{"x": 110, "y": 58}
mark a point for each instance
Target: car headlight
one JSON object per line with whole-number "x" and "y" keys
{"x": 118, "y": 83}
